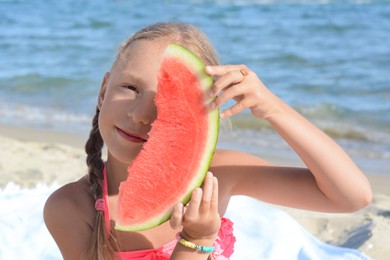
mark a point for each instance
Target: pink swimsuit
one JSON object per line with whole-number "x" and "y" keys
{"x": 224, "y": 244}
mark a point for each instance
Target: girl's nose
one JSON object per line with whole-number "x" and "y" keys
{"x": 145, "y": 112}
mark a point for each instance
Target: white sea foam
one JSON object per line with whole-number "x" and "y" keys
{"x": 23, "y": 234}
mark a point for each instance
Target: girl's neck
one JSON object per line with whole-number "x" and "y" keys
{"x": 116, "y": 172}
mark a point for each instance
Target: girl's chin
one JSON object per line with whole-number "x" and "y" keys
{"x": 124, "y": 156}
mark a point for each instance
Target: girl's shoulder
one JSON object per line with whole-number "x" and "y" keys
{"x": 72, "y": 198}
{"x": 69, "y": 215}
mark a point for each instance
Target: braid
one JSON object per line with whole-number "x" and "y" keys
{"x": 95, "y": 164}
{"x": 100, "y": 247}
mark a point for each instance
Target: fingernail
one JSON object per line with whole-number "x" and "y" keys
{"x": 212, "y": 105}
{"x": 210, "y": 93}
{"x": 179, "y": 206}
{"x": 198, "y": 192}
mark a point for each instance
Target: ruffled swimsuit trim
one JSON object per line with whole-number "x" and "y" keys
{"x": 224, "y": 244}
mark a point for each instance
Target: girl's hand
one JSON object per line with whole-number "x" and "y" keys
{"x": 239, "y": 83}
{"x": 200, "y": 218}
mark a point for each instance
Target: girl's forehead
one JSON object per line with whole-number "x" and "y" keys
{"x": 144, "y": 50}
{"x": 141, "y": 60}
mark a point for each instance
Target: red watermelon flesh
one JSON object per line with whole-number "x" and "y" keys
{"x": 178, "y": 153}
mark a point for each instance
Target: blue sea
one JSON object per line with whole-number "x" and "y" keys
{"x": 330, "y": 60}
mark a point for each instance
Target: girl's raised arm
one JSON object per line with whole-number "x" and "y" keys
{"x": 338, "y": 183}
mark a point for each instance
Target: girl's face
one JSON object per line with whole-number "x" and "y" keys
{"x": 126, "y": 99}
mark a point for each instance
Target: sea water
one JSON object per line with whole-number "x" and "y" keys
{"x": 328, "y": 59}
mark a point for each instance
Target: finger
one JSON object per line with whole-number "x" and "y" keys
{"x": 207, "y": 193}
{"x": 228, "y": 80}
{"x": 221, "y": 70}
{"x": 214, "y": 196}
{"x": 193, "y": 207}
{"x": 243, "y": 100}
{"x": 185, "y": 208}
{"x": 230, "y": 93}
{"x": 235, "y": 109}
{"x": 177, "y": 216}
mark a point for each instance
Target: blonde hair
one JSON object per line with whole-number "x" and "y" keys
{"x": 184, "y": 34}
{"x": 103, "y": 245}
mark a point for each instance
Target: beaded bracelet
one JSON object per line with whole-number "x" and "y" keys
{"x": 204, "y": 249}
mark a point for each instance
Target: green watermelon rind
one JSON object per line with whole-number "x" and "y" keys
{"x": 206, "y": 82}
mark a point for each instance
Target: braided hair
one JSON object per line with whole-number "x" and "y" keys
{"x": 100, "y": 246}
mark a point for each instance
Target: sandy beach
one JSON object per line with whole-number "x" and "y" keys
{"x": 29, "y": 157}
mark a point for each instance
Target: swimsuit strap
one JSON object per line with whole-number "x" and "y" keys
{"x": 101, "y": 204}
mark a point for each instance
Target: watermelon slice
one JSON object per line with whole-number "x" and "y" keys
{"x": 178, "y": 153}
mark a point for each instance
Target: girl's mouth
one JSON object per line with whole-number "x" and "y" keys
{"x": 131, "y": 137}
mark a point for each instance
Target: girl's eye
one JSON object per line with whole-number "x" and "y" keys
{"x": 132, "y": 88}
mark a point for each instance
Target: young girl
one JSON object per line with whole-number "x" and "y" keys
{"x": 80, "y": 215}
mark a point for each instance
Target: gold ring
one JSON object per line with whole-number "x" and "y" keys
{"x": 244, "y": 72}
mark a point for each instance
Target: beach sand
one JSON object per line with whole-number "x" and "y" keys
{"x": 29, "y": 156}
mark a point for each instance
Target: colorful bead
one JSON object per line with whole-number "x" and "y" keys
{"x": 204, "y": 249}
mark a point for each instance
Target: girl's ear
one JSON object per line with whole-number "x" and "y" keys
{"x": 103, "y": 88}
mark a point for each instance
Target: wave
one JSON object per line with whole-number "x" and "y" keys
{"x": 336, "y": 127}
{"x": 24, "y": 115}
{"x": 368, "y": 149}
{"x": 272, "y": 2}
{"x": 339, "y": 123}
{"x": 33, "y": 82}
